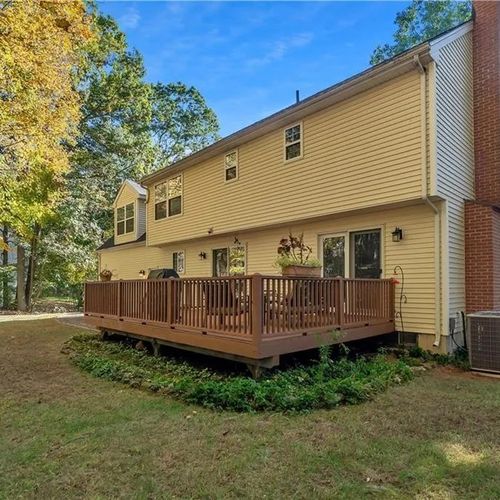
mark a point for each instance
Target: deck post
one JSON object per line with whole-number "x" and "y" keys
{"x": 257, "y": 310}
{"x": 341, "y": 300}
{"x": 119, "y": 305}
{"x": 170, "y": 301}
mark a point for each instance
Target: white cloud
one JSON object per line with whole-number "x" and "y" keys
{"x": 130, "y": 19}
{"x": 278, "y": 49}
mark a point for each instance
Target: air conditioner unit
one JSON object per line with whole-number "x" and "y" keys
{"x": 484, "y": 341}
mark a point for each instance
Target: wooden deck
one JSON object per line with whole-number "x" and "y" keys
{"x": 249, "y": 318}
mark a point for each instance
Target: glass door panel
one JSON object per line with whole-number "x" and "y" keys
{"x": 334, "y": 256}
{"x": 220, "y": 262}
{"x": 365, "y": 254}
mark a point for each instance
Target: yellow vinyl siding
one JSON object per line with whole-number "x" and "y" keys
{"x": 415, "y": 254}
{"x": 361, "y": 152}
{"x": 127, "y": 195}
{"x": 126, "y": 262}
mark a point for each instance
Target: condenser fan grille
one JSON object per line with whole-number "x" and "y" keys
{"x": 484, "y": 341}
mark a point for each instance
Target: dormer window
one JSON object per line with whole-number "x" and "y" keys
{"x": 168, "y": 198}
{"x": 125, "y": 219}
{"x": 293, "y": 142}
{"x": 231, "y": 166}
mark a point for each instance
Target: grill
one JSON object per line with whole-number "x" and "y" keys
{"x": 484, "y": 341}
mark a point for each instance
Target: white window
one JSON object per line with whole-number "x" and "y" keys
{"x": 231, "y": 166}
{"x": 125, "y": 219}
{"x": 179, "y": 262}
{"x": 168, "y": 198}
{"x": 293, "y": 142}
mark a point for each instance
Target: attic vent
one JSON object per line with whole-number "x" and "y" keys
{"x": 484, "y": 341}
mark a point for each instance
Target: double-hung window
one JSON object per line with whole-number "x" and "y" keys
{"x": 231, "y": 166}
{"x": 168, "y": 198}
{"x": 293, "y": 142}
{"x": 125, "y": 219}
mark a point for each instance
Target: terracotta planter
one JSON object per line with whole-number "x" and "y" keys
{"x": 302, "y": 271}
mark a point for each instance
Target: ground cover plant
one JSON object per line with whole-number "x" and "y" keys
{"x": 326, "y": 383}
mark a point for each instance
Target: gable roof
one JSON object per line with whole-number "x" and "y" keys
{"x": 421, "y": 54}
{"x": 140, "y": 190}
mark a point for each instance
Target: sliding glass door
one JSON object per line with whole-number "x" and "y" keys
{"x": 334, "y": 256}
{"x": 355, "y": 254}
{"x": 365, "y": 254}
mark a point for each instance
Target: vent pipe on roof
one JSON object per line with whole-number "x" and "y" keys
{"x": 297, "y": 97}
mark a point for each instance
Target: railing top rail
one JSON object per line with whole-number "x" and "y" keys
{"x": 246, "y": 276}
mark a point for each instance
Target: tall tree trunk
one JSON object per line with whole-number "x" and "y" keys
{"x": 21, "y": 302}
{"x": 6, "y": 296}
{"x": 31, "y": 266}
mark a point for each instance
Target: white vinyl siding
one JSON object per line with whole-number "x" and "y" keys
{"x": 455, "y": 154}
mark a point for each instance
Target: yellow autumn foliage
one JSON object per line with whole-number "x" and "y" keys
{"x": 41, "y": 45}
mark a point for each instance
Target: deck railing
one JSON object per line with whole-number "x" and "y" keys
{"x": 245, "y": 306}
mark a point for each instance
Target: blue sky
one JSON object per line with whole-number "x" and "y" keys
{"x": 248, "y": 58}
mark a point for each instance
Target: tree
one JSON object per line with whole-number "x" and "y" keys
{"x": 40, "y": 47}
{"x": 420, "y": 21}
{"x": 182, "y": 123}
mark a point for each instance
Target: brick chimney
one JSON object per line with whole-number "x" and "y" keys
{"x": 482, "y": 216}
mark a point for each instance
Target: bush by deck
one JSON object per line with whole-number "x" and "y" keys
{"x": 326, "y": 383}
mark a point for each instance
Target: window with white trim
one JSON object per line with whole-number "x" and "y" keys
{"x": 179, "y": 262}
{"x": 293, "y": 142}
{"x": 125, "y": 219}
{"x": 168, "y": 198}
{"x": 231, "y": 166}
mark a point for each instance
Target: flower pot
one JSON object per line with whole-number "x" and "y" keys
{"x": 105, "y": 277}
{"x": 302, "y": 271}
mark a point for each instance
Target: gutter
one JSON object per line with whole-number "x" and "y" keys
{"x": 429, "y": 202}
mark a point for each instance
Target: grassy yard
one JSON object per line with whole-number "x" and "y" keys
{"x": 66, "y": 434}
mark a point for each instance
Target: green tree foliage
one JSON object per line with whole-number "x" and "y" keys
{"x": 420, "y": 21}
{"x": 181, "y": 122}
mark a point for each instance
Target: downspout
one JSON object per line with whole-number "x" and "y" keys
{"x": 427, "y": 201}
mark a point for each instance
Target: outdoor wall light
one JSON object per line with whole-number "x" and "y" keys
{"x": 142, "y": 273}
{"x": 202, "y": 255}
{"x": 397, "y": 234}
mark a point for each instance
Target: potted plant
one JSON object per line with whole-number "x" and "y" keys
{"x": 105, "y": 275}
{"x": 294, "y": 258}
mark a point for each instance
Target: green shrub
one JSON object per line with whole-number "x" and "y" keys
{"x": 323, "y": 384}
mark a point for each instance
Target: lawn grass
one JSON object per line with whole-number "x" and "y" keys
{"x": 65, "y": 434}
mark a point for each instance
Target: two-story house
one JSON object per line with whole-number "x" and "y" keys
{"x": 375, "y": 172}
